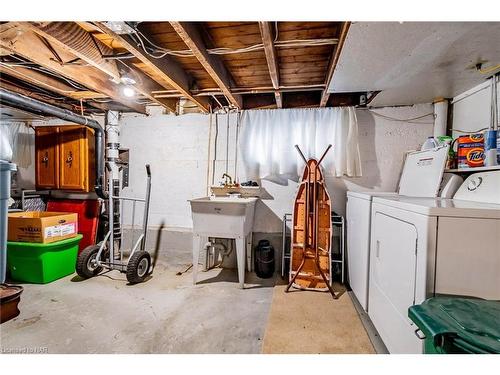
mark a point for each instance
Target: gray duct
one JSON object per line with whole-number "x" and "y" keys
{"x": 34, "y": 106}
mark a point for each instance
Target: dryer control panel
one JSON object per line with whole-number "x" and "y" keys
{"x": 481, "y": 187}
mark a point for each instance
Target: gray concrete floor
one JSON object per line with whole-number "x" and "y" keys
{"x": 166, "y": 314}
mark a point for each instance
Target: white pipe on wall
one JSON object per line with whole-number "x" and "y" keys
{"x": 112, "y": 141}
{"x": 440, "y": 117}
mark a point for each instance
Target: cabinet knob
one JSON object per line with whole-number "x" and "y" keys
{"x": 45, "y": 159}
{"x": 69, "y": 159}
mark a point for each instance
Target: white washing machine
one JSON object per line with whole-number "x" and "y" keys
{"x": 422, "y": 247}
{"x": 421, "y": 176}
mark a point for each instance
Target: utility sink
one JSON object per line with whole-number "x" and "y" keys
{"x": 224, "y": 217}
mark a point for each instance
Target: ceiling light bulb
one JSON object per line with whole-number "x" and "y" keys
{"x": 128, "y": 91}
{"x": 126, "y": 80}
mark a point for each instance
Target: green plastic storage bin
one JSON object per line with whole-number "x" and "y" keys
{"x": 42, "y": 263}
{"x": 454, "y": 325}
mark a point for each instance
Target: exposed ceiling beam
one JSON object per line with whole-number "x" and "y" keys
{"x": 166, "y": 68}
{"x": 249, "y": 90}
{"x": 240, "y": 92}
{"x": 36, "y": 78}
{"x": 301, "y": 100}
{"x": 192, "y": 37}
{"x": 31, "y": 94}
{"x": 26, "y": 44}
{"x": 337, "y": 49}
{"x": 74, "y": 39}
{"x": 266, "y": 33}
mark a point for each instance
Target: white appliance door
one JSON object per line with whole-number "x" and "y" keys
{"x": 358, "y": 247}
{"x": 423, "y": 172}
{"x": 392, "y": 281}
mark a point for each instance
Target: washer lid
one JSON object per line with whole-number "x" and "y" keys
{"x": 423, "y": 172}
{"x": 442, "y": 206}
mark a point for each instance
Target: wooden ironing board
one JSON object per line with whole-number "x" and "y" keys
{"x": 310, "y": 264}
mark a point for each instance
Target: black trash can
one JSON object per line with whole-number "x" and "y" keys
{"x": 264, "y": 260}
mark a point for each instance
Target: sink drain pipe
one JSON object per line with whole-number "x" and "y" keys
{"x": 211, "y": 249}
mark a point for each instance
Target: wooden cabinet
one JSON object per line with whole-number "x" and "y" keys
{"x": 64, "y": 158}
{"x": 47, "y": 159}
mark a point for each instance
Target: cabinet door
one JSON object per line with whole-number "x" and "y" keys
{"x": 47, "y": 158}
{"x": 73, "y": 164}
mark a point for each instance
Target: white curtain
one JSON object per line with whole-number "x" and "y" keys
{"x": 268, "y": 137}
{"x": 17, "y": 142}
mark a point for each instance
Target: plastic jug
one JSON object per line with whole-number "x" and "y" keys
{"x": 429, "y": 143}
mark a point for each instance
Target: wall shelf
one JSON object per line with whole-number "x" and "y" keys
{"x": 472, "y": 170}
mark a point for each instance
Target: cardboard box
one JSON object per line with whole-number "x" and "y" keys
{"x": 42, "y": 227}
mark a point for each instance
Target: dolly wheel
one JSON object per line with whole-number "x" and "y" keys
{"x": 86, "y": 266}
{"x": 138, "y": 267}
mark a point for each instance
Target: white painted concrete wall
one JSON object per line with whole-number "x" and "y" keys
{"x": 177, "y": 149}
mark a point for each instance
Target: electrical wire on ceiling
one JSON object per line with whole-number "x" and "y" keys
{"x": 9, "y": 67}
{"x": 159, "y": 52}
{"x": 32, "y": 66}
{"x": 33, "y": 89}
{"x": 489, "y": 70}
{"x": 100, "y": 100}
{"x": 398, "y": 119}
{"x": 470, "y": 131}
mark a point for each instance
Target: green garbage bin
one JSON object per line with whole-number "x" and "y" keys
{"x": 453, "y": 325}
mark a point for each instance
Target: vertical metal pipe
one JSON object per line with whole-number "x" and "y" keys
{"x": 214, "y": 164}
{"x": 238, "y": 115}
{"x": 110, "y": 215}
{"x": 209, "y": 151}
{"x": 146, "y": 208}
{"x": 132, "y": 242}
{"x": 227, "y": 144}
{"x": 283, "y": 246}
{"x": 112, "y": 157}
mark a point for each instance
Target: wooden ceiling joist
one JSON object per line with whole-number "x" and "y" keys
{"x": 272, "y": 59}
{"x": 74, "y": 39}
{"x": 36, "y": 78}
{"x": 333, "y": 63}
{"x": 191, "y": 35}
{"x": 166, "y": 68}
{"x": 23, "y": 42}
{"x": 31, "y": 94}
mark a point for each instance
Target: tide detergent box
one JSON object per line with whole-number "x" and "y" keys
{"x": 470, "y": 151}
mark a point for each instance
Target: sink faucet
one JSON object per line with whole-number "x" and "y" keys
{"x": 226, "y": 176}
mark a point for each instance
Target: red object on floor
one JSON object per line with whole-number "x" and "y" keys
{"x": 88, "y": 216}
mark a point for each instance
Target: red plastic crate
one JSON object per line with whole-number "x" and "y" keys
{"x": 88, "y": 216}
